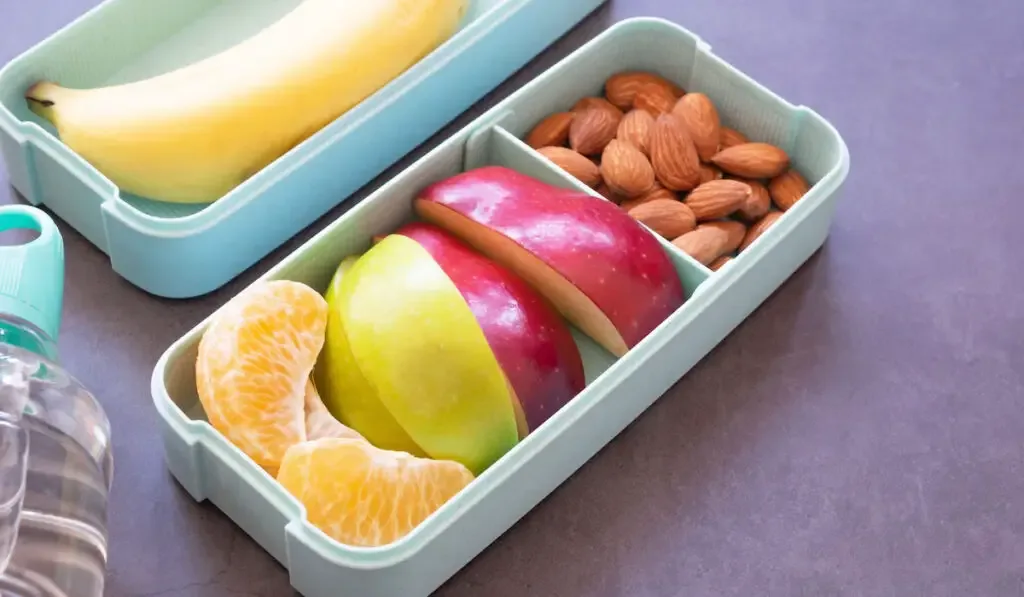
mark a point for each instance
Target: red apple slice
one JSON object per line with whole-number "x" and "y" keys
{"x": 602, "y": 269}
{"x": 531, "y": 342}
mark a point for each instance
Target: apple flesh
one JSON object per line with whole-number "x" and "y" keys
{"x": 531, "y": 341}
{"x": 417, "y": 344}
{"x": 346, "y": 393}
{"x": 601, "y": 268}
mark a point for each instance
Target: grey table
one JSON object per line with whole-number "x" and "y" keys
{"x": 861, "y": 434}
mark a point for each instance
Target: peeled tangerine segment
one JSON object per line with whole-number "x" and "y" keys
{"x": 417, "y": 342}
{"x": 254, "y": 363}
{"x": 320, "y": 422}
{"x": 345, "y": 390}
{"x": 363, "y": 496}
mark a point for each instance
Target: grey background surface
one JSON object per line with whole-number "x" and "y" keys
{"x": 861, "y": 434}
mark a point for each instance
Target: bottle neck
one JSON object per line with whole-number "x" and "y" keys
{"x": 23, "y": 334}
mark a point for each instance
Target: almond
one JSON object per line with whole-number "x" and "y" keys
{"x": 717, "y": 199}
{"x": 787, "y": 188}
{"x": 591, "y": 130}
{"x": 588, "y": 103}
{"x": 655, "y": 192}
{"x": 673, "y": 155}
{"x": 654, "y": 98}
{"x": 731, "y": 137}
{"x": 603, "y": 190}
{"x": 635, "y": 128}
{"x": 735, "y": 230}
{"x": 621, "y": 88}
{"x": 575, "y": 164}
{"x": 718, "y": 263}
{"x": 758, "y": 228}
{"x": 553, "y": 130}
{"x": 704, "y": 245}
{"x": 625, "y": 169}
{"x": 666, "y": 217}
{"x": 709, "y": 173}
{"x": 700, "y": 117}
{"x": 752, "y": 160}
{"x": 757, "y": 204}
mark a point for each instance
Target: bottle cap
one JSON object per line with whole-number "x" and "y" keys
{"x": 32, "y": 274}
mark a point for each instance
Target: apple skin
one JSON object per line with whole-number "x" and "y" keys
{"x": 557, "y": 235}
{"x": 531, "y": 341}
{"x": 418, "y": 345}
{"x": 344, "y": 390}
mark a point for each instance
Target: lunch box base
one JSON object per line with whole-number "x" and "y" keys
{"x": 617, "y": 391}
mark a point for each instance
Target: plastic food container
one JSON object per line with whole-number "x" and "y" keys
{"x": 181, "y": 251}
{"x": 617, "y": 391}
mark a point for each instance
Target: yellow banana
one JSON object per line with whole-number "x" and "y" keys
{"x": 193, "y": 134}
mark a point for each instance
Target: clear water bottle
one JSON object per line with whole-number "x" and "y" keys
{"x": 55, "y": 458}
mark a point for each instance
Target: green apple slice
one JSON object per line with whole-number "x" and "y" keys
{"x": 419, "y": 345}
{"x": 343, "y": 388}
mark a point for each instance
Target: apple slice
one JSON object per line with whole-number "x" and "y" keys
{"x": 320, "y": 422}
{"x": 601, "y": 268}
{"x": 343, "y": 388}
{"x": 532, "y": 343}
{"x": 417, "y": 344}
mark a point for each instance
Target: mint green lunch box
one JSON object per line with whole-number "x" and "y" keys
{"x": 186, "y": 250}
{"x": 617, "y": 391}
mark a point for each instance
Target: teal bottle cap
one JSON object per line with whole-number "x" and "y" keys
{"x": 32, "y": 274}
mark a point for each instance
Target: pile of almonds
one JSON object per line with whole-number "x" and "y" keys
{"x": 663, "y": 155}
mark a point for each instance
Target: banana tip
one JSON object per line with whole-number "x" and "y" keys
{"x": 40, "y": 93}
{"x": 41, "y": 98}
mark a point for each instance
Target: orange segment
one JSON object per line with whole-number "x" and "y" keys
{"x": 365, "y": 496}
{"x": 320, "y": 422}
{"x": 254, "y": 361}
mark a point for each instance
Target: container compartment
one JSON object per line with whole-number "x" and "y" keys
{"x": 814, "y": 146}
{"x": 180, "y": 251}
{"x": 657, "y": 46}
{"x": 211, "y": 468}
{"x": 617, "y": 391}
